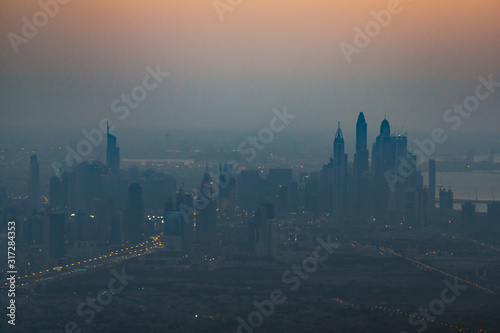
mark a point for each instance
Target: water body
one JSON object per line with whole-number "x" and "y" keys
{"x": 465, "y": 185}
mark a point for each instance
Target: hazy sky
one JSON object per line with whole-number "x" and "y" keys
{"x": 265, "y": 54}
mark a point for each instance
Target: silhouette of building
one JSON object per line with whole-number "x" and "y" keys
{"x": 56, "y": 235}
{"x": 250, "y": 190}
{"x": 339, "y": 175}
{"x": 172, "y": 229}
{"x": 227, "y": 196}
{"x": 468, "y": 214}
{"x": 279, "y": 182}
{"x": 445, "y": 200}
{"x": 187, "y": 226}
{"x": 112, "y": 154}
{"x": 382, "y": 161}
{"x": 206, "y": 219}
{"x": 134, "y": 214}
{"x": 361, "y": 155}
{"x": 262, "y": 232}
{"x": 432, "y": 184}
{"x": 361, "y": 179}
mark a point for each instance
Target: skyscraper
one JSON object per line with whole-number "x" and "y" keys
{"x": 134, "y": 214}
{"x": 34, "y": 182}
{"x": 359, "y": 193}
{"x": 361, "y": 155}
{"x": 206, "y": 220}
{"x": 112, "y": 154}
{"x": 382, "y": 161}
{"x": 432, "y": 184}
{"x": 56, "y": 235}
{"x": 339, "y": 175}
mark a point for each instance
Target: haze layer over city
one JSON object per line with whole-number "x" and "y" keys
{"x": 250, "y": 166}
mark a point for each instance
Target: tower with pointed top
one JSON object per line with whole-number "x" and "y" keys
{"x": 361, "y": 155}
{"x": 112, "y": 154}
{"x": 339, "y": 175}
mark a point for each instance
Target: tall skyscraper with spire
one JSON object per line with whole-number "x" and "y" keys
{"x": 361, "y": 155}
{"x": 339, "y": 175}
{"x": 361, "y": 178}
{"x": 112, "y": 154}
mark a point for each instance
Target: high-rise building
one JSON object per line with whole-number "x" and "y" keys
{"x": 172, "y": 229}
{"x": 112, "y": 154}
{"x": 250, "y": 190}
{"x": 445, "y": 200}
{"x": 56, "y": 235}
{"x": 381, "y": 162}
{"x": 361, "y": 155}
{"x": 432, "y": 185}
{"x": 134, "y": 214}
{"x": 279, "y": 180}
{"x": 58, "y": 191}
{"x": 468, "y": 214}
{"x": 359, "y": 194}
{"x": 262, "y": 232}
{"x": 227, "y": 196}
{"x": 206, "y": 219}
{"x": 34, "y": 182}
{"x": 339, "y": 175}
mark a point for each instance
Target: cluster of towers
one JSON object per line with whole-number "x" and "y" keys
{"x": 360, "y": 189}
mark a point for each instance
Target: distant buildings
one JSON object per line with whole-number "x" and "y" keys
{"x": 112, "y": 154}
{"x": 134, "y": 214}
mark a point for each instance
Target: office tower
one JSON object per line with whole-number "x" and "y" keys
{"x": 279, "y": 177}
{"x": 56, "y": 235}
{"x": 468, "y": 214}
{"x": 187, "y": 225}
{"x": 398, "y": 156}
{"x": 380, "y": 164}
{"x": 279, "y": 180}
{"x": 416, "y": 212}
{"x": 388, "y": 154}
{"x": 361, "y": 155}
{"x": 112, "y": 154}
{"x": 34, "y": 182}
{"x": 172, "y": 228}
{"x": 85, "y": 185}
{"x": 339, "y": 175}
{"x": 359, "y": 193}
{"x": 432, "y": 184}
{"x": 206, "y": 219}
{"x": 249, "y": 190}
{"x": 227, "y": 196}
{"x": 58, "y": 191}
{"x": 262, "y": 232}
{"x": 134, "y": 214}
{"x": 311, "y": 193}
{"x": 445, "y": 200}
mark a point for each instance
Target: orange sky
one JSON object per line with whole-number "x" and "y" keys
{"x": 261, "y": 42}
